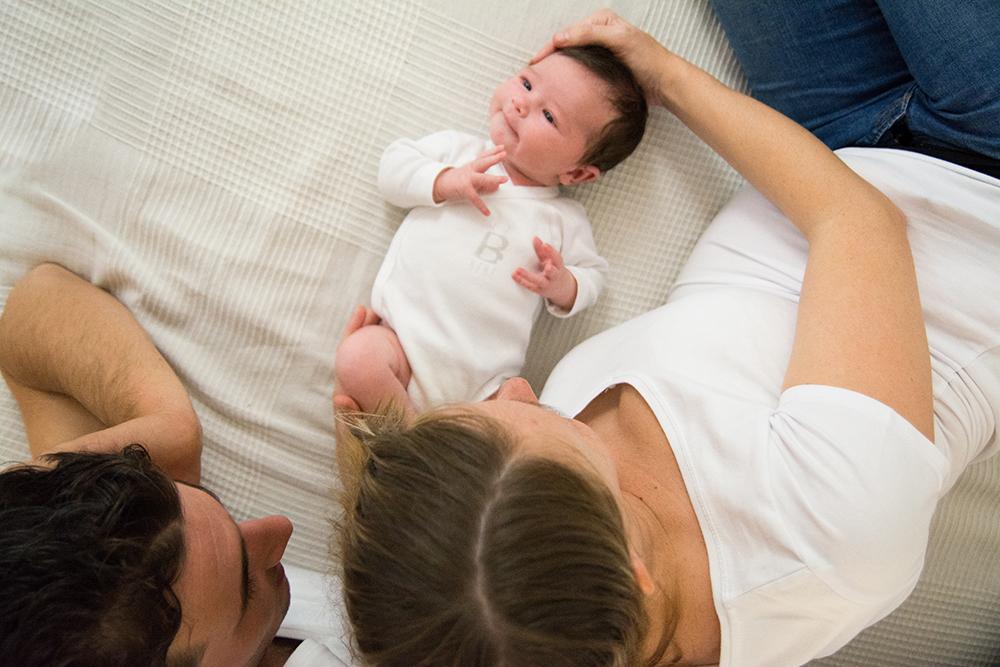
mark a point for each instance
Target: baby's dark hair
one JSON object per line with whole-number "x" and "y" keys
{"x": 622, "y": 135}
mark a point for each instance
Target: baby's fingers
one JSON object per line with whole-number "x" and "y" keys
{"x": 477, "y": 201}
{"x": 488, "y": 182}
{"x": 488, "y": 159}
{"x": 532, "y": 281}
{"x": 546, "y": 253}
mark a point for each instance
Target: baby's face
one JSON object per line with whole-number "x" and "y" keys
{"x": 546, "y": 117}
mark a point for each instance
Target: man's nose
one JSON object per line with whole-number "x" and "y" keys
{"x": 516, "y": 389}
{"x": 266, "y": 539}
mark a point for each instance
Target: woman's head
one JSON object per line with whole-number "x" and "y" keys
{"x": 460, "y": 545}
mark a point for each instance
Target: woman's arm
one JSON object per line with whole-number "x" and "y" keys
{"x": 860, "y": 325}
{"x": 87, "y": 377}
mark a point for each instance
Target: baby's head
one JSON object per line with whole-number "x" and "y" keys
{"x": 568, "y": 118}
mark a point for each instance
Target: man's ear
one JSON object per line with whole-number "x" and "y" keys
{"x": 642, "y": 576}
{"x": 582, "y": 174}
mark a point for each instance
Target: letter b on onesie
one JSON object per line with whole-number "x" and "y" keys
{"x": 491, "y": 247}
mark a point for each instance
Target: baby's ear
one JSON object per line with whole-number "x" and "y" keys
{"x": 582, "y": 174}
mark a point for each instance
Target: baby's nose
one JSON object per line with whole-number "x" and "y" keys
{"x": 519, "y": 105}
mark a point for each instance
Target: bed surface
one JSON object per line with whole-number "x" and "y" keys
{"x": 213, "y": 166}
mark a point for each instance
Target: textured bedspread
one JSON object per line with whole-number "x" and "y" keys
{"x": 213, "y": 165}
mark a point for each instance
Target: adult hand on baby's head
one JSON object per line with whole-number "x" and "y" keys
{"x": 637, "y": 49}
{"x": 554, "y": 282}
{"x": 469, "y": 180}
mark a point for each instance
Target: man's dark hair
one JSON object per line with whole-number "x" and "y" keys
{"x": 89, "y": 550}
{"x": 622, "y": 135}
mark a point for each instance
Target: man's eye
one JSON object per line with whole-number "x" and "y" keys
{"x": 548, "y": 116}
{"x": 251, "y": 589}
{"x": 526, "y": 84}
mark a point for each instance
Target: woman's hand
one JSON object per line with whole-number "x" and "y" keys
{"x": 646, "y": 57}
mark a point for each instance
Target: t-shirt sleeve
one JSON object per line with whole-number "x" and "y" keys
{"x": 856, "y": 486}
{"x": 313, "y": 654}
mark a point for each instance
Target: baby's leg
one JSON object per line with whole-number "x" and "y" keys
{"x": 372, "y": 369}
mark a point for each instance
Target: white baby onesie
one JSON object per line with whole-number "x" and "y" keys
{"x": 445, "y": 285}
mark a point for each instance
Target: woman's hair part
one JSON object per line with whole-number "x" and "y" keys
{"x": 455, "y": 549}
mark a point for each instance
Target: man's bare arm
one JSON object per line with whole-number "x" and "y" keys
{"x": 87, "y": 377}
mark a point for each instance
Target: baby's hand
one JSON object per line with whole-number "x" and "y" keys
{"x": 554, "y": 282}
{"x": 469, "y": 180}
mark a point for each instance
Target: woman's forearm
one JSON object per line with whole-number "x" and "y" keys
{"x": 784, "y": 161}
{"x": 860, "y": 325}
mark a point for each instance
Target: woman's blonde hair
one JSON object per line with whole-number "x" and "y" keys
{"x": 454, "y": 551}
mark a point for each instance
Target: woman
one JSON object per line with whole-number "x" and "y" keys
{"x": 751, "y": 469}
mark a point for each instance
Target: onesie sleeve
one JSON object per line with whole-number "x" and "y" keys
{"x": 408, "y": 167}
{"x": 579, "y": 253}
{"x": 856, "y": 486}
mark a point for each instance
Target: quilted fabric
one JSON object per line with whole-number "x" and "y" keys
{"x": 213, "y": 164}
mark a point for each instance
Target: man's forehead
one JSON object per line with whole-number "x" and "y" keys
{"x": 208, "y": 527}
{"x": 215, "y": 555}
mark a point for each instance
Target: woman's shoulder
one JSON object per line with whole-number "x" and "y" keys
{"x": 856, "y": 486}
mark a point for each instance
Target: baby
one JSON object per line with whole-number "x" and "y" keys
{"x": 455, "y": 294}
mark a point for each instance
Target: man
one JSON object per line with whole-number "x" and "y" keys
{"x": 110, "y": 552}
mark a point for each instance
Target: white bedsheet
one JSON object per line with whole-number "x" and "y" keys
{"x": 213, "y": 165}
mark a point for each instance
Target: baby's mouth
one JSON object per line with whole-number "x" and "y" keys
{"x": 506, "y": 119}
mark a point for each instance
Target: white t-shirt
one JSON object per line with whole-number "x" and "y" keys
{"x": 445, "y": 285}
{"x": 815, "y": 503}
{"x": 317, "y": 617}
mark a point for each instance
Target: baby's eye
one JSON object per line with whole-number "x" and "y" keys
{"x": 548, "y": 116}
{"x": 526, "y": 84}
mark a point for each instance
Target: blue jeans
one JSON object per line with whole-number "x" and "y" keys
{"x": 848, "y": 70}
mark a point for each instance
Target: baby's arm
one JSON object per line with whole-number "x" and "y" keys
{"x": 571, "y": 280}
{"x": 437, "y": 168}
